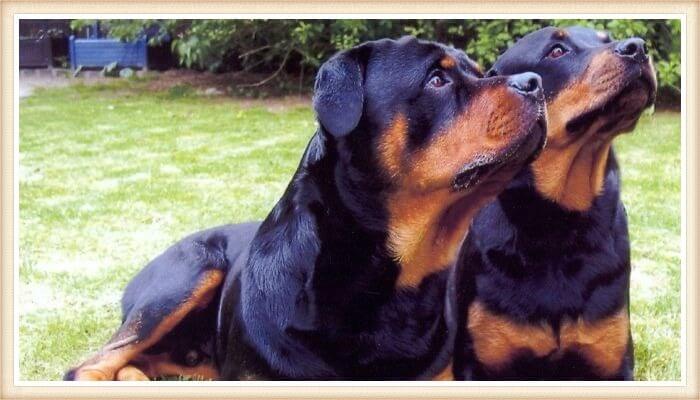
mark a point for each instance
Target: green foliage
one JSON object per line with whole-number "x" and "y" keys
{"x": 492, "y": 37}
{"x": 294, "y": 45}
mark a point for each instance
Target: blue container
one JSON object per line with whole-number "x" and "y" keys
{"x": 96, "y": 53}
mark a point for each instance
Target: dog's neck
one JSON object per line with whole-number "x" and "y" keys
{"x": 416, "y": 235}
{"x": 572, "y": 175}
{"x": 342, "y": 214}
{"x": 421, "y": 230}
{"x": 425, "y": 231}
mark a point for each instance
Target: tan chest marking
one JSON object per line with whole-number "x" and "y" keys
{"x": 602, "y": 343}
{"x": 498, "y": 340}
{"x": 424, "y": 236}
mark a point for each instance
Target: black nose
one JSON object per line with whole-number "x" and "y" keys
{"x": 632, "y": 47}
{"x": 527, "y": 84}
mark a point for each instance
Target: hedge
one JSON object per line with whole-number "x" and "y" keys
{"x": 276, "y": 46}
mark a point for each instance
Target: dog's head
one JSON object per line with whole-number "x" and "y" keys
{"x": 596, "y": 88}
{"x": 416, "y": 122}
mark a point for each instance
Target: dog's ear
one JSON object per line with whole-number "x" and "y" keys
{"x": 338, "y": 91}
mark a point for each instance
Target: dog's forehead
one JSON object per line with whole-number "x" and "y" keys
{"x": 463, "y": 61}
{"x": 410, "y": 51}
{"x": 583, "y": 36}
{"x": 405, "y": 50}
{"x": 399, "y": 67}
{"x": 533, "y": 46}
{"x": 396, "y": 65}
{"x": 527, "y": 49}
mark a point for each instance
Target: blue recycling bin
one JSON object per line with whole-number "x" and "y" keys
{"x": 96, "y": 53}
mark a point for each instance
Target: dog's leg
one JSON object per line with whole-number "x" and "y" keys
{"x": 185, "y": 278}
{"x": 151, "y": 366}
{"x": 131, "y": 373}
{"x": 145, "y": 326}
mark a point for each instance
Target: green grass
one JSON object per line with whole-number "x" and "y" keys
{"x": 650, "y": 159}
{"x": 110, "y": 175}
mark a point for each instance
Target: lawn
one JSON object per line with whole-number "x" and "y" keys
{"x": 111, "y": 174}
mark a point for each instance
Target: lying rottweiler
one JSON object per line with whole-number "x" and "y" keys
{"x": 543, "y": 276}
{"x": 345, "y": 278}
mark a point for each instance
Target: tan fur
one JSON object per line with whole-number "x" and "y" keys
{"x": 570, "y": 171}
{"x": 448, "y": 62}
{"x": 160, "y": 365}
{"x": 393, "y": 146}
{"x": 131, "y": 373}
{"x": 106, "y": 364}
{"x": 498, "y": 340}
{"x": 427, "y": 219}
{"x": 446, "y": 374}
{"x": 603, "y": 343}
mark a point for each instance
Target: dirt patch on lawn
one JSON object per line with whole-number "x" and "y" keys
{"x": 277, "y": 94}
{"x": 200, "y": 80}
{"x": 276, "y": 104}
{"x": 239, "y": 82}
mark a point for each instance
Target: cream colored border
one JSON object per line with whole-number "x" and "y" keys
{"x": 410, "y": 9}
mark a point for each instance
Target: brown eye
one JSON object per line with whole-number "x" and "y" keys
{"x": 557, "y": 52}
{"x": 436, "y": 81}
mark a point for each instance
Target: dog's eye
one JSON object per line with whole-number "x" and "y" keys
{"x": 437, "y": 80}
{"x": 557, "y": 51}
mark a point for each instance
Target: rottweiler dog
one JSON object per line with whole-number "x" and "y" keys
{"x": 345, "y": 278}
{"x": 543, "y": 276}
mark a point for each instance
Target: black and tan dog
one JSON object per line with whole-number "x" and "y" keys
{"x": 543, "y": 276}
{"x": 345, "y": 278}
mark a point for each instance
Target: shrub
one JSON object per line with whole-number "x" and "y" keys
{"x": 277, "y": 46}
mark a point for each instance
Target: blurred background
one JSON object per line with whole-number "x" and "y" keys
{"x": 281, "y": 56}
{"x": 135, "y": 133}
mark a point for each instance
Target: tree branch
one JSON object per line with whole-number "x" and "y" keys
{"x": 274, "y": 74}
{"x": 250, "y": 52}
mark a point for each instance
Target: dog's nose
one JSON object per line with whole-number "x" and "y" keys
{"x": 527, "y": 84}
{"x": 633, "y": 47}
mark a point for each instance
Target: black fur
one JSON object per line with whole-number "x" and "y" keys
{"x": 532, "y": 261}
{"x": 310, "y": 293}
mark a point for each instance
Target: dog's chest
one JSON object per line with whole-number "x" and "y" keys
{"x": 499, "y": 341}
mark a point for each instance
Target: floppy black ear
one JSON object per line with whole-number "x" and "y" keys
{"x": 338, "y": 93}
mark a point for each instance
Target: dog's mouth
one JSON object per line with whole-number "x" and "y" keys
{"x": 622, "y": 107}
{"x": 521, "y": 152}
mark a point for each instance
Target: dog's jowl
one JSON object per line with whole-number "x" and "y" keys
{"x": 543, "y": 276}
